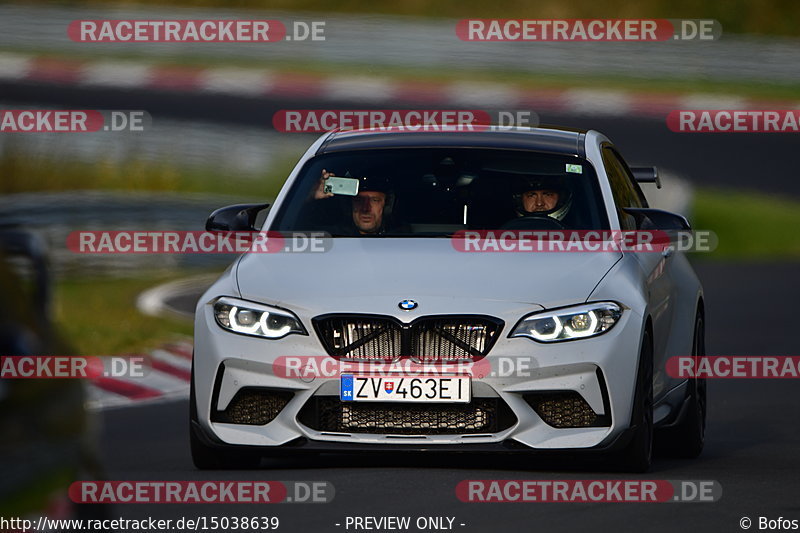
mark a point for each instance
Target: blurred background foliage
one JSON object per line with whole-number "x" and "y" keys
{"x": 762, "y": 17}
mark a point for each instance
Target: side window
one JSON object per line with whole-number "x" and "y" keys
{"x": 631, "y": 180}
{"x": 625, "y": 190}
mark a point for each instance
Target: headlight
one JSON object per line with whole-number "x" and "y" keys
{"x": 569, "y": 323}
{"x": 254, "y": 319}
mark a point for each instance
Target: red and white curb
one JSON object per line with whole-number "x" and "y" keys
{"x": 155, "y": 301}
{"x": 258, "y": 83}
{"x": 167, "y": 379}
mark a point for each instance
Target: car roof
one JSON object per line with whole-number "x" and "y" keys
{"x": 543, "y": 139}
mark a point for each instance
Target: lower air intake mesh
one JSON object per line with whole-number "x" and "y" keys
{"x": 254, "y": 407}
{"x": 481, "y": 415}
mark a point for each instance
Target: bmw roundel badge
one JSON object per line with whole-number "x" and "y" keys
{"x": 408, "y": 305}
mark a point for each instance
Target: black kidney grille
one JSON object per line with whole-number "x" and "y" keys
{"x": 438, "y": 339}
{"x": 443, "y": 340}
{"x": 360, "y": 339}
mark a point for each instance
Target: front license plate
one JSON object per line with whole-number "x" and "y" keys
{"x": 450, "y": 389}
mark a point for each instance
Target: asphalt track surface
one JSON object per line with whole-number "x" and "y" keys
{"x": 751, "y": 448}
{"x": 753, "y": 436}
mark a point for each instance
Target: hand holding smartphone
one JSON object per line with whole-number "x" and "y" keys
{"x": 330, "y": 185}
{"x": 344, "y": 186}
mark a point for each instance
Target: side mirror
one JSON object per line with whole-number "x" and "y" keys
{"x": 656, "y": 219}
{"x": 240, "y": 217}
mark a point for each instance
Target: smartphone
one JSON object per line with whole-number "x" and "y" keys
{"x": 344, "y": 186}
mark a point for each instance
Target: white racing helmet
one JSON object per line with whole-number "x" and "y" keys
{"x": 542, "y": 183}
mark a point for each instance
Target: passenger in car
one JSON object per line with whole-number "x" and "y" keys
{"x": 369, "y": 209}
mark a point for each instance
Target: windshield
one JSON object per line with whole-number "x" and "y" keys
{"x": 434, "y": 192}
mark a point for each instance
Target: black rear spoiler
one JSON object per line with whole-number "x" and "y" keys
{"x": 646, "y": 175}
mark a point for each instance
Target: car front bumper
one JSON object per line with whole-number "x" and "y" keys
{"x": 602, "y": 370}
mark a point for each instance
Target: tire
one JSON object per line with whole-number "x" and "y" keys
{"x": 638, "y": 455}
{"x": 686, "y": 439}
{"x": 206, "y": 457}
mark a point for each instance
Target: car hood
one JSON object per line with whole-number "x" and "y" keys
{"x": 373, "y": 275}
